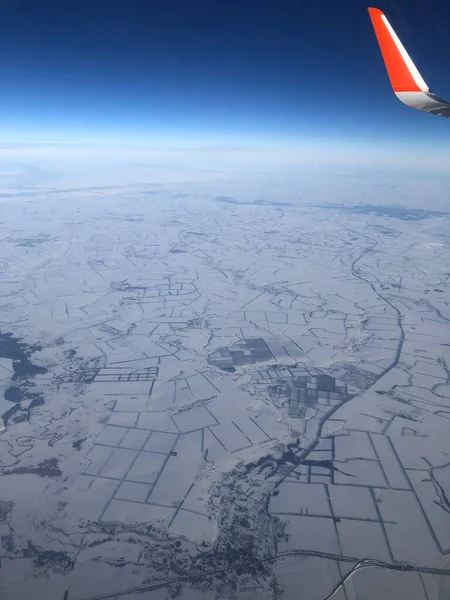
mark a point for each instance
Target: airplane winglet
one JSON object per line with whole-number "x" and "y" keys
{"x": 406, "y": 81}
{"x": 402, "y": 72}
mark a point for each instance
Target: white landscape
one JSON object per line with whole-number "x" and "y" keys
{"x": 222, "y": 382}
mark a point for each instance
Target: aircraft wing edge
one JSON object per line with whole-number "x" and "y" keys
{"x": 406, "y": 80}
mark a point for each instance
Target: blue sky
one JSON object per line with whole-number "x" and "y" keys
{"x": 262, "y": 73}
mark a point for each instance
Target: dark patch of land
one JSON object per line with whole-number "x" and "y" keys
{"x": 394, "y": 212}
{"x": 47, "y": 468}
{"x": 231, "y": 200}
{"x": 23, "y": 369}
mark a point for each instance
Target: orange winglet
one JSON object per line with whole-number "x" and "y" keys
{"x": 402, "y": 80}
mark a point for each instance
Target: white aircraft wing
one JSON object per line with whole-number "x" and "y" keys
{"x": 407, "y": 83}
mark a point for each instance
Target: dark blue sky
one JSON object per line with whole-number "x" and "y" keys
{"x": 215, "y": 71}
